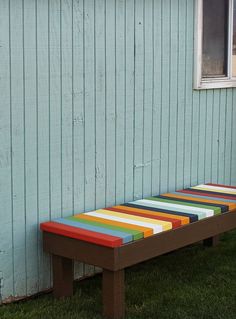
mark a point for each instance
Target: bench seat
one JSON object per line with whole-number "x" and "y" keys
{"x": 119, "y": 225}
{"x": 117, "y": 237}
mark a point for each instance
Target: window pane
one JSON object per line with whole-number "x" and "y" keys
{"x": 234, "y": 41}
{"x": 215, "y": 38}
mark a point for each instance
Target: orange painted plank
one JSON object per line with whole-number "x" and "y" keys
{"x": 184, "y": 220}
{"x": 230, "y": 205}
{"x": 146, "y": 231}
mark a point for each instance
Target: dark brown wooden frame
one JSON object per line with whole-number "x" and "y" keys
{"x": 114, "y": 260}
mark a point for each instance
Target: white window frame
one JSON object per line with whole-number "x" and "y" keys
{"x": 211, "y": 83}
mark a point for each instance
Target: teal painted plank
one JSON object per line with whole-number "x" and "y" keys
{"x": 18, "y": 147}
{"x": 31, "y": 211}
{"x": 157, "y": 87}
{"x": 43, "y": 147}
{"x": 110, "y": 104}
{"x": 147, "y": 98}
{"x": 100, "y": 101}
{"x": 126, "y": 238}
{"x": 129, "y": 100}
{"x": 6, "y": 246}
{"x": 120, "y": 100}
{"x": 138, "y": 119}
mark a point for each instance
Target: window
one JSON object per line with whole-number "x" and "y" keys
{"x": 215, "y": 44}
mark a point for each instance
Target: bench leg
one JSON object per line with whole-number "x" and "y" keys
{"x": 212, "y": 241}
{"x": 113, "y": 291}
{"x": 62, "y": 276}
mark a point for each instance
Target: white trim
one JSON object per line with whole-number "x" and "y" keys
{"x": 211, "y": 83}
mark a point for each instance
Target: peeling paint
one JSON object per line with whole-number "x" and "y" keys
{"x": 148, "y": 163}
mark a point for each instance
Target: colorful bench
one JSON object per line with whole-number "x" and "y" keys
{"x": 118, "y": 237}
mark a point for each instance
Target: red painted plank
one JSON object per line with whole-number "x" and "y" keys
{"x": 220, "y": 185}
{"x": 209, "y": 194}
{"x": 175, "y": 222}
{"x": 81, "y": 234}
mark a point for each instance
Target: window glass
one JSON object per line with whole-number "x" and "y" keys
{"x": 215, "y": 38}
{"x": 234, "y": 41}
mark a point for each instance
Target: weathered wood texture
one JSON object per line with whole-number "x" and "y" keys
{"x": 97, "y": 108}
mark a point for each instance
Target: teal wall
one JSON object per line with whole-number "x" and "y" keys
{"x": 97, "y": 108}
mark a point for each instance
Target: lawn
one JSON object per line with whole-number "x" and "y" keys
{"x": 194, "y": 282}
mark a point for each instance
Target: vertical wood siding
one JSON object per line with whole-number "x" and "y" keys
{"x": 97, "y": 108}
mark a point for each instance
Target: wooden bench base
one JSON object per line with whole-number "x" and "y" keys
{"x": 115, "y": 260}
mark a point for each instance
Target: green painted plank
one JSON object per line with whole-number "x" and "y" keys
{"x": 136, "y": 234}
{"x": 217, "y": 210}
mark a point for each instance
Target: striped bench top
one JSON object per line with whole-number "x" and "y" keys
{"x": 122, "y": 224}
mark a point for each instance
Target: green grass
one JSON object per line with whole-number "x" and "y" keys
{"x": 194, "y": 282}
